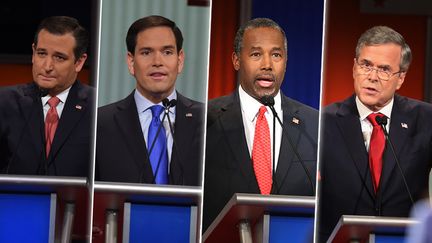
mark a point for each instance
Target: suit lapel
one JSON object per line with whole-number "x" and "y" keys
{"x": 400, "y": 126}
{"x": 128, "y": 124}
{"x": 286, "y": 154}
{"x": 184, "y": 134}
{"x": 350, "y": 129}
{"x": 74, "y": 109}
{"x": 31, "y": 108}
{"x": 231, "y": 122}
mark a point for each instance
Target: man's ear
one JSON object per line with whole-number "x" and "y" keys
{"x": 235, "y": 61}
{"x": 130, "y": 59}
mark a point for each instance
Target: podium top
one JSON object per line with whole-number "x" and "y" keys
{"x": 250, "y": 207}
{"x": 360, "y": 227}
{"x": 115, "y": 193}
{"x": 35, "y": 183}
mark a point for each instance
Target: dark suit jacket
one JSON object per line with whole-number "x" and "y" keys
{"x": 345, "y": 176}
{"x": 22, "y": 137}
{"x": 121, "y": 151}
{"x": 228, "y": 165}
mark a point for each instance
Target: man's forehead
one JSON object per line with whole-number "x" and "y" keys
{"x": 58, "y": 42}
{"x": 156, "y": 37}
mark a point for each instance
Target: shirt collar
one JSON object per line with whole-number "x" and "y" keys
{"x": 250, "y": 106}
{"x": 62, "y": 96}
{"x": 143, "y": 103}
{"x": 364, "y": 111}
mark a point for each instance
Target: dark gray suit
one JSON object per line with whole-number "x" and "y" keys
{"x": 228, "y": 165}
{"x": 346, "y": 184}
{"x": 121, "y": 151}
{"x": 22, "y": 137}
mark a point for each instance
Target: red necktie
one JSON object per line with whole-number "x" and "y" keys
{"x": 261, "y": 153}
{"x": 376, "y": 149}
{"x": 51, "y": 122}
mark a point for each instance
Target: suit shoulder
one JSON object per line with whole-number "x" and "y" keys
{"x": 411, "y": 104}
{"x": 107, "y": 111}
{"x": 302, "y": 108}
{"x": 192, "y": 104}
{"x": 14, "y": 92}
{"x": 87, "y": 88}
{"x": 215, "y": 105}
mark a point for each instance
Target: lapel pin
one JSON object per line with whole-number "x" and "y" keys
{"x": 295, "y": 120}
{"x": 404, "y": 125}
{"x": 78, "y": 107}
{"x": 188, "y": 114}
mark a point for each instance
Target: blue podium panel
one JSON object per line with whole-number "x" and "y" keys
{"x": 389, "y": 238}
{"x": 27, "y": 218}
{"x": 291, "y": 229}
{"x": 158, "y": 223}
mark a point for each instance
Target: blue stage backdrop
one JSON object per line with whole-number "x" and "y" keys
{"x": 302, "y": 22}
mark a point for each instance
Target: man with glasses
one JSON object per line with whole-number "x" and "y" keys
{"x": 359, "y": 171}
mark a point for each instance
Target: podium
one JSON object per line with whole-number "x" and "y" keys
{"x": 352, "y": 228}
{"x": 130, "y": 212}
{"x": 43, "y": 208}
{"x": 263, "y": 218}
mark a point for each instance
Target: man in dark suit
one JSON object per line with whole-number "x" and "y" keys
{"x": 359, "y": 173}
{"x": 37, "y": 137}
{"x": 233, "y": 150}
{"x": 124, "y": 145}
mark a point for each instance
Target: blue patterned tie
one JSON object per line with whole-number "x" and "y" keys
{"x": 158, "y": 154}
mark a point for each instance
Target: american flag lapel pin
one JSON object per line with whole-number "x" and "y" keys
{"x": 78, "y": 107}
{"x": 296, "y": 120}
{"x": 188, "y": 114}
{"x": 404, "y": 125}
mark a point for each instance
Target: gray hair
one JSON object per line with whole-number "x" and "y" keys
{"x": 382, "y": 35}
{"x": 252, "y": 24}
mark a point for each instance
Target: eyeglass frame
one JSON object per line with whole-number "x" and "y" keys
{"x": 370, "y": 69}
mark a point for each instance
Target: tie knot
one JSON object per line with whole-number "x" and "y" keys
{"x": 372, "y": 118}
{"x": 156, "y": 110}
{"x": 53, "y": 101}
{"x": 262, "y": 111}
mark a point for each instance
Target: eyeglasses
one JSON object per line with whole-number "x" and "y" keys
{"x": 382, "y": 74}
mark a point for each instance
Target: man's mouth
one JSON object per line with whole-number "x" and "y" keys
{"x": 158, "y": 75}
{"x": 46, "y": 78}
{"x": 370, "y": 90}
{"x": 265, "y": 81}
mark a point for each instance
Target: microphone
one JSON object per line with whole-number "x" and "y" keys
{"x": 168, "y": 104}
{"x": 382, "y": 121}
{"x": 268, "y": 100}
{"x": 151, "y": 149}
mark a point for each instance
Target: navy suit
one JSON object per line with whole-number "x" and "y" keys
{"x": 22, "y": 137}
{"x": 121, "y": 151}
{"x": 346, "y": 184}
{"x": 228, "y": 165}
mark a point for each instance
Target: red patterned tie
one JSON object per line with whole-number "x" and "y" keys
{"x": 376, "y": 149}
{"x": 51, "y": 122}
{"x": 261, "y": 153}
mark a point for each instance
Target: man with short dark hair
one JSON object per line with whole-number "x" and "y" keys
{"x": 155, "y": 134}
{"x": 45, "y": 126}
{"x": 239, "y": 149}
{"x": 359, "y": 173}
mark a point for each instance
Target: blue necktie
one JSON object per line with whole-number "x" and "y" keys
{"x": 158, "y": 154}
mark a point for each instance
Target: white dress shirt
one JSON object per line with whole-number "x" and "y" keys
{"x": 62, "y": 97}
{"x": 366, "y": 125}
{"x": 250, "y": 110}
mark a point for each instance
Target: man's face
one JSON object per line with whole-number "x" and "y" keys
{"x": 262, "y": 61}
{"x": 155, "y": 63}
{"x": 373, "y": 92}
{"x": 54, "y": 65}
